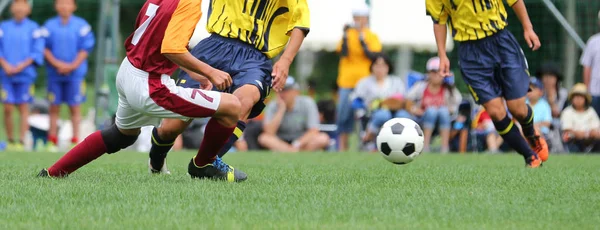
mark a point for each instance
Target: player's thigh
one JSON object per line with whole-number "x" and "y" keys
{"x": 251, "y": 88}
{"x": 74, "y": 92}
{"x": 23, "y": 93}
{"x": 129, "y": 118}
{"x": 7, "y": 92}
{"x": 167, "y": 100}
{"x": 55, "y": 92}
{"x": 478, "y": 67}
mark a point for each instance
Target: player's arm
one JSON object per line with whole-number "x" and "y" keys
{"x": 85, "y": 45}
{"x": 8, "y": 69}
{"x": 282, "y": 66}
{"x": 204, "y": 82}
{"x": 439, "y": 16}
{"x": 177, "y": 36}
{"x": 521, "y": 11}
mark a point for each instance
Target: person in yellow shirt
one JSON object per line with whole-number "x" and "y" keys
{"x": 493, "y": 65}
{"x": 357, "y": 49}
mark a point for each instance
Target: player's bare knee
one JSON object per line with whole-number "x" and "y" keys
{"x": 116, "y": 139}
{"x": 229, "y": 109}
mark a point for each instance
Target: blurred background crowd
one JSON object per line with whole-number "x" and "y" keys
{"x": 357, "y": 69}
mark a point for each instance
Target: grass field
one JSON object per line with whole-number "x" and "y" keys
{"x": 305, "y": 191}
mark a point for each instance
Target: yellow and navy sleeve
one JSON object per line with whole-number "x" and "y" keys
{"x": 300, "y": 18}
{"x": 437, "y": 11}
{"x": 511, "y": 2}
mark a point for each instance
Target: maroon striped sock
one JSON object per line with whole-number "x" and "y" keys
{"x": 91, "y": 148}
{"x": 215, "y": 138}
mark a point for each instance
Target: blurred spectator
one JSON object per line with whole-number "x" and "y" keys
{"x": 580, "y": 123}
{"x": 553, "y": 92}
{"x": 543, "y": 113}
{"x": 291, "y": 123}
{"x": 21, "y": 48}
{"x": 381, "y": 95}
{"x": 357, "y": 48}
{"x": 435, "y": 101}
{"x": 486, "y": 131}
{"x": 590, "y": 59}
{"x": 69, "y": 41}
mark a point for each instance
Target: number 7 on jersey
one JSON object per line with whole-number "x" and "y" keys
{"x": 150, "y": 12}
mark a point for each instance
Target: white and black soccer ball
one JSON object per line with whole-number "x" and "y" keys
{"x": 400, "y": 140}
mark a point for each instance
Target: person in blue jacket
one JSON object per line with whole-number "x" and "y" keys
{"x": 69, "y": 41}
{"x": 21, "y": 49}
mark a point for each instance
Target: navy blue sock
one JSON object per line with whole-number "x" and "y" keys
{"x": 527, "y": 123}
{"x": 237, "y": 133}
{"x": 159, "y": 150}
{"x": 512, "y": 136}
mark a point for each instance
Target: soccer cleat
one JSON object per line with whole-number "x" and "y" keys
{"x": 218, "y": 170}
{"x": 539, "y": 145}
{"x": 163, "y": 169}
{"x": 533, "y": 162}
{"x": 43, "y": 173}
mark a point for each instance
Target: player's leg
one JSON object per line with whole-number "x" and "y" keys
{"x": 345, "y": 117}
{"x": 55, "y": 97}
{"x": 8, "y": 97}
{"x": 25, "y": 92}
{"x": 515, "y": 84}
{"x": 75, "y": 93}
{"x": 477, "y": 64}
{"x": 163, "y": 139}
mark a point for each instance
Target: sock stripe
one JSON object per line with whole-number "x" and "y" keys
{"x": 238, "y": 132}
{"x": 161, "y": 144}
{"x": 505, "y": 131}
{"x": 530, "y": 117}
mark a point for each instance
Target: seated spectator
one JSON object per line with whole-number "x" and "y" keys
{"x": 543, "y": 113}
{"x": 485, "y": 130}
{"x": 580, "y": 123}
{"x": 291, "y": 123}
{"x": 434, "y": 102}
{"x": 555, "y": 95}
{"x": 381, "y": 95}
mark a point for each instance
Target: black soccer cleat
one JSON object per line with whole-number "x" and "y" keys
{"x": 43, "y": 173}
{"x": 218, "y": 170}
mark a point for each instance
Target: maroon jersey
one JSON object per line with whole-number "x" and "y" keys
{"x": 162, "y": 26}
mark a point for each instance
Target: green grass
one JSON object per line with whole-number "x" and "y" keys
{"x": 305, "y": 191}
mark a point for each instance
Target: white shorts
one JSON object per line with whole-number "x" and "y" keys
{"x": 144, "y": 99}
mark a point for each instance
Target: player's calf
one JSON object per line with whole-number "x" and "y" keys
{"x": 109, "y": 141}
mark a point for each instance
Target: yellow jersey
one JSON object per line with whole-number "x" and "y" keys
{"x": 264, "y": 24}
{"x": 469, "y": 19}
{"x": 355, "y": 64}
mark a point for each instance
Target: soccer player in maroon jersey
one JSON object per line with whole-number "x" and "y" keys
{"x": 147, "y": 93}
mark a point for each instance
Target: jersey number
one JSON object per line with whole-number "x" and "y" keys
{"x": 197, "y": 91}
{"x": 150, "y": 12}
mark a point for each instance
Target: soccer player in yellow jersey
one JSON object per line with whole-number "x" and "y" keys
{"x": 493, "y": 65}
{"x": 245, "y": 36}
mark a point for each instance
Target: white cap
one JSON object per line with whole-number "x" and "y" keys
{"x": 433, "y": 64}
{"x": 361, "y": 10}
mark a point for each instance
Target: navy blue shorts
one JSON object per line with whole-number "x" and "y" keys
{"x": 494, "y": 67}
{"x": 245, "y": 64}
{"x": 71, "y": 93}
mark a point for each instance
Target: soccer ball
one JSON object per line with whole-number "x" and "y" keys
{"x": 400, "y": 140}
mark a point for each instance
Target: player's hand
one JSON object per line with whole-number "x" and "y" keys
{"x": 62, "y": 68}
{"x": 444, "y": 66}
{"x": 205, "y": 84}
{"x": 280, "y": 73}
{"x": 220, "y": 79}
{"x": 10, "y": 71}
{"x": 532, "y": 39}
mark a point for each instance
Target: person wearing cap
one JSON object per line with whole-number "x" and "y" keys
{"x": 382, "y": 95}
{"x": 357, "y": 48}
{"x": 493, "y": 65}
{"x": 590, "y": 60}
{"x": 580, "y": 122}
{"x": 434, "y": 101}
{"x": 291, "y": 122}
{"x": 543, "y": 113}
